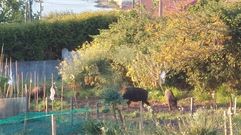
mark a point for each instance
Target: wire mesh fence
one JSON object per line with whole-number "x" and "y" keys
{"x": 39, "y": 123}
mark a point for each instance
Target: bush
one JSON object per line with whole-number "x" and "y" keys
{"x": 56, "y": 105}
{"x": 201, "y": 95}
{"x": 224, "y": 94}
{"x": 156, "y": 95}
{"x": 111, "y": 96}
{"x": 45, "y": 39}
{"x": 93, "y": 127}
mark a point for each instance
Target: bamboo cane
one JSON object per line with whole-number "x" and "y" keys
{"x": 62, "y": 94}
{"x": 17, "y": 77}
{"x": 46, "y": 105}
{"x": 22, "y": 83}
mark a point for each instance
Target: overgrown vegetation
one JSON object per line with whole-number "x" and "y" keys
{"x": 45, "y": 39}
{"x": 199, "y": 49}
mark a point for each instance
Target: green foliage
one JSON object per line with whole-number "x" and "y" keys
{"x": 93, "y": 127}
{"x": 3, "y": 81}
{"x": 45, "y": 39}
{"x": 179, "y": 94}
{"x": 156, "y": 95}
{"x": 56, "y": 105}
{"x": 198, "y": 46}
{"x": 223, "y": 94}
{"x": 202, "y": 123}
{"x": 11, "y": 11}
{"x": 201, "y": 94}
{"x": 111, "y": 96}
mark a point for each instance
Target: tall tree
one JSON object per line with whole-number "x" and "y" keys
{"x": 11, "y": 11}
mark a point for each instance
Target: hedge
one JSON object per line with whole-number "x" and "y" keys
{"x": 45, "y": 39}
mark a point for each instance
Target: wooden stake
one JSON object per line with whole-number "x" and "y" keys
{"x": 141, "y": 118}
{"x": 26, "y": 107}
{"x": 38, "y": 88}
{"x": 10, "y": 71}
{"x": 53, "y": 124}
{"x": 4, "y": 89}
{"x": 17, "y": 78}
{"x": 52, "y": 105}
{"x": 46, "y": 105}
{"x": 62, "y": 94}
{"x": 6, "y": 68}
{"x": 225, "y": 123}
{"x": 1, "y": 61}
{"x": 8, "y": 89}
{"x": 34, "y": 79}
{"x": 27, "y": 95}
{"x": 37, "y": 107}
{"x": 230, "y": 123}
{"x": 30, "y": 88}
{"x": 22, "y": 84}
{"x": 44, "y": 88}
{"x": 191, "y": 106}
{"x": 235, "y": 105}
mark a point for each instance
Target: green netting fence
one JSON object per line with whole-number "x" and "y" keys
{"x": 68, "y": 122}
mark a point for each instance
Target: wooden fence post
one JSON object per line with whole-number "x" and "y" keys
{"x": 191, "y": 106}
{"x": 53, "y": 123}
{"x": 230, "y": 123}
{"x": 235, "y": 105}
{"x": 141, "y": 118}
{"x": 225, "y": 123}
{"x": 62, "y": 94}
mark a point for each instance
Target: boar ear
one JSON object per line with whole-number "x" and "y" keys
{"x": 123, "y": 85}
{"x": 123, "y": 88}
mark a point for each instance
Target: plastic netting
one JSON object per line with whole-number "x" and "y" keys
{"x": 68, "y": 122}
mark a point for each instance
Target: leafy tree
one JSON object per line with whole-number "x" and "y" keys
{"x": 12, "y": 11}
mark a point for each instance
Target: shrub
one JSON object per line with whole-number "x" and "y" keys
{"x": 111, "y": 96}
{"x": 56, "y": 105}
{"x": 45, "y": 39}
{"x": 201, "y": 95}
{"x": 156, "y": 95}
{"x": 92, "y": 127}
{"x": 224, "y": 94}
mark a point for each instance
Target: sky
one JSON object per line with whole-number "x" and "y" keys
{"x": 75, "y": 6}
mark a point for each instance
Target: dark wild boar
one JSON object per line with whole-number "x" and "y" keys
{"x": 171, "y": 100}
{"x": 37, "y": 91}
{"x": 135, "y": 94}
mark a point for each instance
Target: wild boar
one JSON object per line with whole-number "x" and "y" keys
{"x": 135, "y": 94}
{"x": 37, "y": 91}
{"x": 171, "y": 100}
